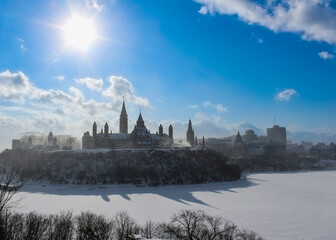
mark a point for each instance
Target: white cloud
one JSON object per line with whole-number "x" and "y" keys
{"x": 22, "y": 46}
{"x": 93, "y": 4}
{"x": 120, "y": 87}
{"x": 218, "y": 107}
{"x": 312, "y": 19}
{"x": 14, "y": 86}
{"x": 193, "y": 106}
{"x": 92, "y": 83}
{"x": 66, "y": 112}
{"x": 59, "y": 78}
{"x": 325, "y": 55}
{"x": 286, "y": 94}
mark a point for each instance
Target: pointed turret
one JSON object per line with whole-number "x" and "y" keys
{"x": 123, "y": 125}
{"x": 190, "y": 134}
{"x": 140, "y": 122}
{"x": 160, "y": 130}
{"x": 238, "y": 138}
{"x": 189, "y": 124}
{"x": 171, "y": 131}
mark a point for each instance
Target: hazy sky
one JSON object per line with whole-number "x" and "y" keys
{"x": 228, "y": 65}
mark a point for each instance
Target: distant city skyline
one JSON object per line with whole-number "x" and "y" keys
{"x": 226, "y": 65}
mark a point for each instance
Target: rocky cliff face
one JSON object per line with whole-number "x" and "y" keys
{"x": 140, "y": 167}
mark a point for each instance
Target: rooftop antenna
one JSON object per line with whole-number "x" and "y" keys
{"x": 274, "y": 119}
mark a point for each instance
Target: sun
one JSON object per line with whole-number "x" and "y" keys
{"x": 79, "y": 32}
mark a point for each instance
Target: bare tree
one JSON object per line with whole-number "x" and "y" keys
{"x": 149, "y": 230}
{"x": 186, "y": 225}
{"x": 10, "y": 183}
{"x": 191, "y": 225}
{"x": 124, "y": 226}
{"x": 36, "y": 226}
{"x": 218, "y": 229}
{"x": 15, "y": 226}
{"x": 62, "y": 226}
{"x": 246, "y": 234}
{"x": 230, "y": 231}
{"x": 92, "y": 226}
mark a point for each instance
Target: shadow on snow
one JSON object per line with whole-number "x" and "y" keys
{"x": 180, "y": 193}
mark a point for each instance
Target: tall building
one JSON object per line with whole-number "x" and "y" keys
{"x": 123, "y": 125}
{"x": 139, "y": 137}
{"x": 277, "y": 134}
{"x": 160, "y": 130}
{"x": 94, "y": 129}
{"x": 52, "y": 141}
{"x": 171, "y": 132}
{"x": 190, "y": 134}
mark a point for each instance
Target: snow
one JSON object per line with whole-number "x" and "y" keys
{"x": 300, "y": 205}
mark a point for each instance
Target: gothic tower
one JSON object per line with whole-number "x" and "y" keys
{"x": 190, "y": 134}
{"x": 123, "y": 126}
{"x": 171, "y": 131}
{"x": 238, "y": 138}
{"x": 94, "y": 129}
{"x": 160, "y": 130}
{"x": 140, "y": 122}
{"x": 106, "y": 129}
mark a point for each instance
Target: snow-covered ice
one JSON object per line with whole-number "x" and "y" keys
{"x": 299, "y": 205}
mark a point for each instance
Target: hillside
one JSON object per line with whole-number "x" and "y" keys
{"x": 140, "y": 167}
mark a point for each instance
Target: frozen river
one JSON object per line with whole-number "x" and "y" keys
{"x": 277, "y": 205}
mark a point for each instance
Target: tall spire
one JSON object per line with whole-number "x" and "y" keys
{"x": 123, "y": 109}
{"x": 140, "y": 122}
{"x": 123, "y": 124}
{"x": 190, "y": 134}
{"x": 189, "y": 124}
{"x": 238, "y": 138}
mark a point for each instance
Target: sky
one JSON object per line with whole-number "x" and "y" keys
{"x": 228, "y": 65}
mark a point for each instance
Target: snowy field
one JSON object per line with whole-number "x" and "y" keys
{"x": 277, "y": 205}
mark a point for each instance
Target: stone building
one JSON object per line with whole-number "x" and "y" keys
{"x": 190, "y": 134}
{"x": 140, "y": 137}
{"x": 277, "y": 134}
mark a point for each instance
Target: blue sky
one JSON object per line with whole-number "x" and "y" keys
{"x": 228, "y": 65}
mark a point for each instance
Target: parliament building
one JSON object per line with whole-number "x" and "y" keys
{"x": 140, "y": 137}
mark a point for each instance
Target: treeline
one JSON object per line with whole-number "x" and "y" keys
{"x": 288, "y": 163}
{"x": 186, "y": 225}
{"x": 140, "y": 167}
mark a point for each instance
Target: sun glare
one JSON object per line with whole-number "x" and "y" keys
{"x": 79, "y": 32}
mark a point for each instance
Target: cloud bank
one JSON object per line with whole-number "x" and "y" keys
{"x": 27, "y": 107}
{"x": 14, "y": 86}
{"x": 311, "y": 19}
